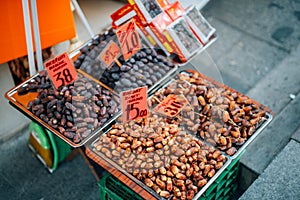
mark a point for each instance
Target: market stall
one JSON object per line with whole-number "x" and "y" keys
{"x": 132, "y": 102}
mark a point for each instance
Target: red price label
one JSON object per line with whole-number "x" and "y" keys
{"x": 129, "y": 39}
{"x": 110, "y": 53}
{"x": 134, "y": 104}
{"x": 61, "y": 70}
{"x": 171, "y": 105}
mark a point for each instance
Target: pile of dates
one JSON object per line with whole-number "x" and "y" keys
{"x": 145, "y": 68}
{"x": 157, "y": 152}
{"x": 88, "y": 60}
{"x": 152, "y": 8}
{"x": 75, "y": 110}
{"x": 220, "y": 116}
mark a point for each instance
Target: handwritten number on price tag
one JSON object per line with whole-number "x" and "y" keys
{"x": 174, "y": 108}
{"x": 133, "y": 44}
{"x": 66, "y": 77}
{"x": 134, "y": 104}
{"x": 129, "y": 39}
{"x": 171, "y": 105}
{"x": 138, "y": 113}
{"x": 110, "y": 53}
{"x": 61, "y": 70}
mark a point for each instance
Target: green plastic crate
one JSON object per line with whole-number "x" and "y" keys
{"x": 112, "y": 189}
{"x": 222, "y": 188}
{"x": 226, "y": 197}
{"x": 212, "y": 188}
{"x": 227, "y": 191}
{"x": 210, "y": 197}
{"x": 219, "y": 193}
{"x": 62, "y": 149}
{"x": 225, "y": 185}
{"x": 221, "y": 177}
{"x": 49, "y": 141}
{"x": 233, "y": 171}
{"x": 222, "y": 184}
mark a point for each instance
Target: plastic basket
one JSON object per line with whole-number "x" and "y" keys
{"x": 212, "y": 188}
{"x": 226, "y": 184}
{"x": 112, "y": 189}
{"x": 223, "y": 187}
{"x": 49, "y": 142}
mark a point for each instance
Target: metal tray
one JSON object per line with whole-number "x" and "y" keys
{"x": 229, "y": 158}
{"x": 90, "y": 144}
{"x": 20, "y": 102}
{"x": 255, "y": 134}
{"x": 160, "y": 81}
{"x": 258, "y": 130}
{"x": 75, "y": 53}
{"x": 263, "y": 125}
{"x": 115, "y": 165}
{"x": 212, "y": 180}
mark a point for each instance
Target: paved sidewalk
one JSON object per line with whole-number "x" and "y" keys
{"x": 22, "y": 176}
{"x": 280, "y": 180}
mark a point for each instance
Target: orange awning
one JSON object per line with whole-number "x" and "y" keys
{"x": 56, "y": 24}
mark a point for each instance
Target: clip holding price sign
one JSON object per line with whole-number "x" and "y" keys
{"x": 171, "y": 105}
{"x": 134, "y": 104}
{"x": 129, "y": 39}
{"x": 61, "y": 70}
{"x": 110, "y": 53}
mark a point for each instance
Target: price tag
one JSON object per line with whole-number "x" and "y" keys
{"x": 129, "y": 39}
{"x": 134, "y": 104}
{"x": 110, "y": 53}
{"x": 61, "y": 70}
{"x": 171, "y": 105}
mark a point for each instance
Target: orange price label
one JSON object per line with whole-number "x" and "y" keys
{"x": 61, "y": 70}
{"x": 110, "y": 53}
{"x": 134, "y": 104}
{"x": 129, "y": 39}
{"x": 171, "y": 105}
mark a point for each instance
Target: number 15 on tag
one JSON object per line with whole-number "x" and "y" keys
{"x": 134, "y": 104}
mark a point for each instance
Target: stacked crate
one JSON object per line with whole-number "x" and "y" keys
{"x": 224, "y": 187}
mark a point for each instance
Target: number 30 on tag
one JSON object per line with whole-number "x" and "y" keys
{"x": 61, "y": 70}
{"x": 171, "y": 105}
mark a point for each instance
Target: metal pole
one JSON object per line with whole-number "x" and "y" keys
{"x": 36, "y": 32}
{"x": 82, "y": 17}
{"x": 28, "y": 34}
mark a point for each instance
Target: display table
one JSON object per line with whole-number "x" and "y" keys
{"x": 189, "y": 133}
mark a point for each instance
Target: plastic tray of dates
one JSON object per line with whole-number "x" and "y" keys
{"x": 160, "y": 156}
{"x": 75, "y": 112}
{"x": 216, "y": 113}
{"x": 146, "y": 68}
{"x": 165, "y": 155}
